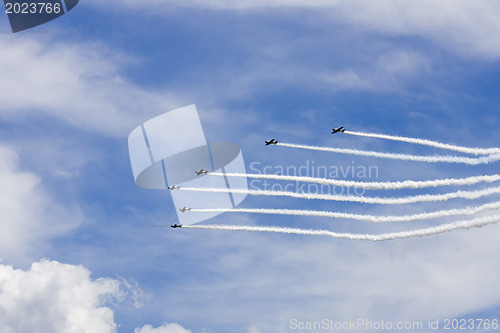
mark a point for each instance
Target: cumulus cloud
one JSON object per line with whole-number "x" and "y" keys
{"x": 80, "y": 83}
{"x": 55, "y": 297}
{"x": 28, "y": 215}
{"x": 166, "y": 328}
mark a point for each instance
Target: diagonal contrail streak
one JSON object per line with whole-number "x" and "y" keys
{"x": 402, "y": 157}
{"x": 462, "y": 149}
{"x": 361, "y": 217}
{"x": 469, "y": 195}
{"x": 371, "y": 185}
{"x": 474, "y": 223}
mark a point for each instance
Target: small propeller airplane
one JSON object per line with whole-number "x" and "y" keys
{"x": 201, "y": 172}
{"x": 173, "y": 187}
{"x": 184, "y": 209}
{"x": 271, "y": 142}
{"x": 340, "y": 129}
{"x": 176, "y": 225}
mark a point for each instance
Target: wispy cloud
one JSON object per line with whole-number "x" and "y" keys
{"x": 79, "y": 83}
{"x": 340, "y": 281}
{"x": 84, "y": 84}
{"x": 29, "y": 216}
{"x": 468, "y": 28}
{"x": 165, "y": 328}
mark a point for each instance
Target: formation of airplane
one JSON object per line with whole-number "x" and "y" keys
{"x": 334, "y": 130}
{"x": 271, "y": 142}
{"x": 204, "y": 172}
{"x": 201, "y": 172}
{"x": 340, "y": 129}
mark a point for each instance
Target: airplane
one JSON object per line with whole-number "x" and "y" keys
{"x": 201, "y": 172}
{"x": 184, "y": 209}
{"x": 173, "y": 187}
{"x": 176, "y": 225}
{"x": 340, "y": 129}
{"x": 271, "y": 142}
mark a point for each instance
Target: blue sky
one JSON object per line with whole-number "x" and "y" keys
{"x": 73, "y": 89}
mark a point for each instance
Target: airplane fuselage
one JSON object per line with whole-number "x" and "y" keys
{"x": 271, "y": 142}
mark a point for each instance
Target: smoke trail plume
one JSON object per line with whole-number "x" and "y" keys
{"x": 469, "y": 195}
{"x": 474, "y": 223}
{"x": 467, "y": 150}
{"x": 402, "y": 157}
{"x": 372, "y": 185}
{"x": 370, "y": 218}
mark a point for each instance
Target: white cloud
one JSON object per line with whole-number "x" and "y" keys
{"x": 166, "y": 328}
{"x": 135, "y": 293}
{"x": 413, "y": 278}
{"x": 468, "y": 27}
{"x": 80, "y": 83}
{"x": 84, "y": 83}
{"x": 388, "y": 72}
{"x": 253, "y": 329}
{"x": 28, "y": 215}
{"x": 55, "y": 297}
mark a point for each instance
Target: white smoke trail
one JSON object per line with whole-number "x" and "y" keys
{"x": 372, "y": 185}
{"x": 467, "y": 150}
{"x": 402, "y": 157}
{"x": 469, "y": 195}
{"x": 370, "y": 218}
{"x": 474, "y": 223}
